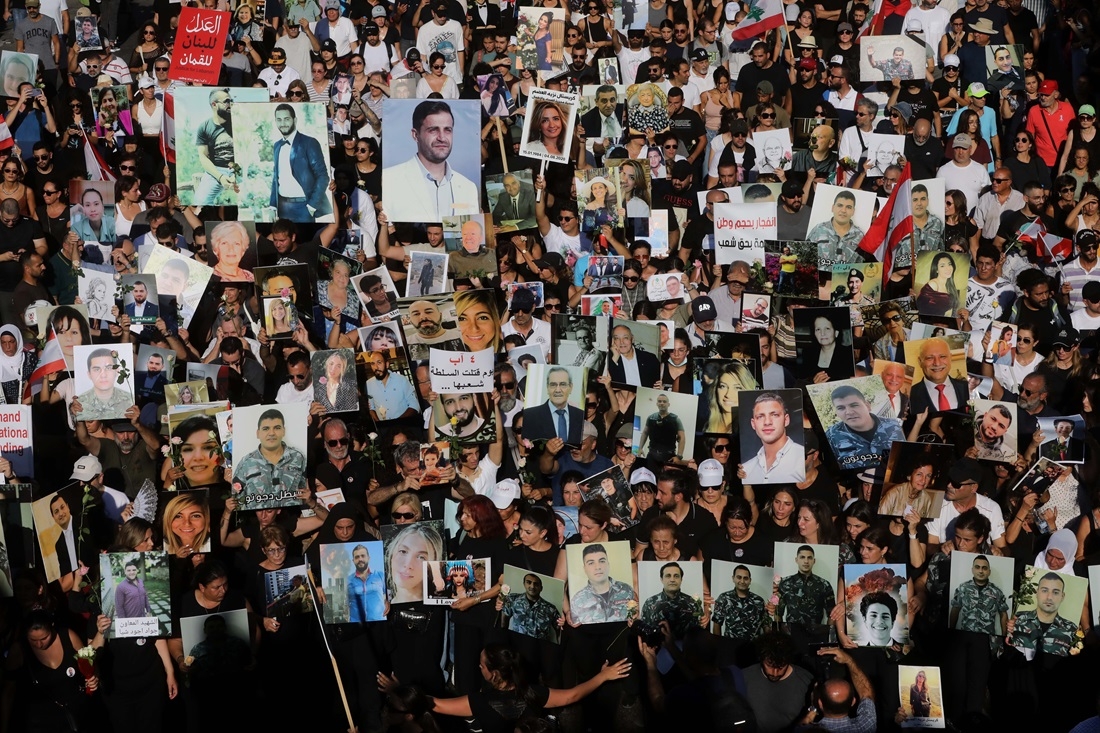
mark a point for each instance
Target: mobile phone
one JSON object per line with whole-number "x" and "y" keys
{"x": 36, "y": 93}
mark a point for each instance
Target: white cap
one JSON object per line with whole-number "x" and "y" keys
{"x": 505, "y": 493}
{"x": 30, "y": 315}
{"x": 643, "y": 476}
{"x": 951, "y": 60}
{"x": 87, "y": 468}
{"x": 837, "y": 60}
{"x": 711, "y": 473}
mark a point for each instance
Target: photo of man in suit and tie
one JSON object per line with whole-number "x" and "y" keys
{"x": 516, "y": 202}
{"x": 555, "y": 418}
{"x": 141, "y": 302}
{"x": 1064, "y": 448}
{"x": 299, "y": 188}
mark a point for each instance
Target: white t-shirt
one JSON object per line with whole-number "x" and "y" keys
{"x": 629, "y": 61}
{"x": 934, "y": 22}
{"x": 939, "y": 526}
{"x": 970, "y": 180}
{"x": 446, "y": 39}
{"x": 1084, "y": 321}
{"x": 288, "y": 395}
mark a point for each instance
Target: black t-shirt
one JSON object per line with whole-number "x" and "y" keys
{"x": 1012, "y": 222}
{"x": 803, "y": 100}
{"x": 16, "y": 239}
{"x": 823, "y": 489}
{"x": 688, "y": 127}
{"x": 498, "y": 711}
{"x": 696, "y": 525}
{"x": 751, "y": 76}
{"x": 543, "y": 563}
{"x": 757, "y": 550}
{"x": 923, "y": 103}
{"x": 942, "y": 87}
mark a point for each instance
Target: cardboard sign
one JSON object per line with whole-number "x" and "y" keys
{"x": 16, "y": 437}
{"x": 461, "y": 371}
{"x": 199, "y": 46}
{"x": 740, "y": 231}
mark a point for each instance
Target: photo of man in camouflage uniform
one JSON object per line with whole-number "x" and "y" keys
{"x": 1043, "y": 629}
{"x": 273, "y": 469}
{"x": 530, "y": 614}
{"x": 806, "y": 598}
{"x": 977, "y": 604}
{"x": 897, "y": 67}
{"x": 671, "y": 604}
{"x": 603, "y": 598}
{"x": 860, "y": 439}
{"x": 739, "y": 613}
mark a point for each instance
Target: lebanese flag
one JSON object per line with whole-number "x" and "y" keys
{"x": 7, "y": 142}
{"x": 1058, "y": 249}
{"x": 168, "y": 129}
{"x": 763, "y": 16}
{"x": 882, "y": 10}
{"x": 98, "y": 170}
{"x": 51, "y": 362}
{"x": 893, "y": 224}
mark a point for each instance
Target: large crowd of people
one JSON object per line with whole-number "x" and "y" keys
{"x": 551, "y": 445}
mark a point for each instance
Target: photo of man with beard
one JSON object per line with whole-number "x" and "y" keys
{"x": 462, "y": 420}
{"x": 390, "y": 394}
{"x": 424, "y": 328}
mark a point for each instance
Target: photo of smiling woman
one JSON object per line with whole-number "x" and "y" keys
{"x": 478, "y": 319}
{"x": 824, "y": 340}
{"x": 407, "y": 548}
{"x": 195, "y": 449}
{"x": 940, "y": 282}
{"x": 186, "y": 523}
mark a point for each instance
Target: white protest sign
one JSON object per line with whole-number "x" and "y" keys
{"x": 15, "y": 438}
{"x": 454, "y": 372}
{"x": 740, "y": 231}
{"x": 548, "y": 125}
{"x": 129, "y": 628}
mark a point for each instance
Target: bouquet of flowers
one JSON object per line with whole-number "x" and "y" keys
{"x": 85, "y": 662}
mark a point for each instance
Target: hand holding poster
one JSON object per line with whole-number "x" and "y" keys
{"x": 461, "y": 371}
{"x": 548, "y": 129}
{"x": 198, "y": 54}
{"x": 740, "y": 231}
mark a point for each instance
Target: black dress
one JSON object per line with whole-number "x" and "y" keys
{"x": 50, "y": 698}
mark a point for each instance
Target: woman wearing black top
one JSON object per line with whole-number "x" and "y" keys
{"x": 740, "y": 542}
{"x": 51, "y": 687}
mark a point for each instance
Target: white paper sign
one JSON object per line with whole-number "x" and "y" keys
{"x": 461, "y": 371}
{"x": 15, "y": 438}
{"x": 128, "y": 628}
{"x": 740, "y": 231}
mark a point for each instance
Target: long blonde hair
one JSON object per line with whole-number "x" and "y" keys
{"x": 174, "y": 506}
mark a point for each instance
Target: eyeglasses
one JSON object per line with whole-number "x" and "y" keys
{"x": 724, "y": 448}
{"x": 127, "y": 168}
{"x": 631, "y": 278}
{"x": 439, "y": 66}
{"x": 895, "y": 319}
{"x": 47, "y": 192}
{"x": 403, "y": 516}
{"x": 567, "y": 219}
{"x": 337, "y": 442}
{"x": 274, "y": 550}
{"x": 1025, "y": 340}
{"x": 1002, "y": 180}
{"x": 295, "y": 93}
{"x": 160, "y": 68}
{"x": 299, "y": 377}
{"x": 1068, "y": 189}
{"x": 356, "y": 63}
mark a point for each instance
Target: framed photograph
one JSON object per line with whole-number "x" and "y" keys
{"x": 532, "y": 603}
{"x": 287, "y": 592}
{"x": 1001, "y": 343}
{"x": 566, "y": 517}
{"x": 92, "y": 215}
{"x": 134, "y": 594}
{"x": 436, "y": 129}
{"x": 427, "y": 274}
{"x": 354, "y": 581}
{"x": 512, "y": 200}
{"x": 381, "y": 337}
{"x": 408, "y": 548}
{"x": 981, "y": 592}
{"x": 496, "y": 100}
{"x": 281, "y": 319}
{"x": 602, "y": 305}
{"x": 541, "y": 35}
{"x": 876, "y": 599}
{"x": 638, "y": 342}
{"x": 940, "y": 281}
{"x": 548, "y": 124}
{"x": 806, "y": 581}
{"x": 378, "y": 294}
{"x": 270, "y": 443}
{"x": 740, "y": 592}
{"x": 663, "y": 421}
{"x": 856, "y": 285}
{"x": 669, "y": 286}
{"x": 1064, "y": 439}
{"x": 333, "y": 374}
{"x": 104, "y": 381}
{"x": 434, "y": 458}
{"x": 996, "y": 429}
{"x": 552, "y": 389}
{"x": 955, "y": 346}
{"x": 613, "y": 487}
{"x": 600, "y": 576}
{"x": 598, "y": 199}
{"x": 606, "y": 272}
{"x": 920, "y": 690}
{"x": 185, "y": 514}
{"x": 232, "y": 250}
{"x": 844, "y": 411}
{"x": 213, "y": 640}
{"x": 672, "y": 592}
{"x": 886, "y": 58}
{"x": 87, "y": 34}
{"x": 580, "y": 341}
{"x": 884, "y": 151}
{"x": 1004, "y": 64}
{"x": 772, "y": 442}
{"x": 446, "y": 581}
{"x": 1048, "y": 613}
{"x": 916, "y": 478}
{"x": 140, "y": 300}
{"x": 389, "y": 387}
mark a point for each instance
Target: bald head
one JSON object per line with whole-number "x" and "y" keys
{"x": 836, "y": 698}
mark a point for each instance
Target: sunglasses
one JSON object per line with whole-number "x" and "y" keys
{"x": 552, "y": 306}
{"x": 403, "y": 516}
{"x": 591, "y": 405}
{"x": 148, "y": 33}
{"x": 338, "y": 441}
{"x": 950, "y": 69}
{"x": 1002, "y": 180}
{"x": 740, "y": 283}
{"x": 767, "y": 116}
{"x": 1025, "y": 340}
{"x": 631, "y": 278}
{"x": 127, "y": 168}
{"x": 1022, "y": 140}
{"x": 845, "y": 33}
{"x": 507, "y": 385}
{"x": 356, "y": 63}
{"x": 1068, "y": 189}
{"x": 160, "y": 68}
{"x": 740, "y": 134}
{"x": 567, "y": 219}
{"x": 621, "y": 445}
{"x": 1085, "y": 117}
{"x": 362, "y": 150}
{"x": 724, "y": 448}
{"x": 439, "y": 66}
{"x": 895, "y": 319}
{"x": 46, "y": 192}
{"x": 295, "y": 93}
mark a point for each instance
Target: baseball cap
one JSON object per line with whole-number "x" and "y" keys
{"x": 83, "y": 13}
{"x": 551, "y": 261}
{"x": 977, "y": 89}
{"x": 951, "y": 60}
{"x": 914, "y": 26}
{"x": 845, "y": 27}
{"x": 1086, "y": 236}
{"x": 412, "y": 55}
{"x": 158, "y": 193}
{"x": 791, "y": 189}
{"x": 710, "y": 473}
{"x": 523, "y": 299}
{"x": 807, "y": 64}
{"x": 33, "y": 3}
{"x": 125, "y": 426}
{"x": 332, "y": 4}
{"x": 1068, "y": 336}
{"x": 1048, "y": 87}
{"x": 1086, "y": 109}
{"x": 277, "y": 56}
{"x": 837, "y": 60}
{"x": 441, "y": 8}
{"x": 765, "y": 87}
{"x": 681, "y": 169}
{"x": 645, "y": 476}
{"x": 328, "y": 45}
{"x": 962, "y": 140}
{"x": 371, "y": 29}
{"x": 589, "y": 430}
{"x": 1091, "y": 291}
{"x": 504, "y": 493}
{"x": 700, "y": 54}
{"x": 87, "y": 468}
{"x": 965, "y": 469}
{"x": 739, "y": 125}
{"x": 703, "y": 310}
{"x": 145, "y": 82}
{"x": 378, "y": 12}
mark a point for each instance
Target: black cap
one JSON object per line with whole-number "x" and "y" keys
{"x": 371, "y": 29}
{"x": 1086, "y": 236}
{"x": 791, "y": 189}
{"x": 700, "y": 54}
{"x": 412, "y": 55}
{"x": 855, "y": 273}
{"x": 681, "y": 169}
{"x": 328, "y": 45}
{"x": 523, "y": 299}
{"x": 965, "y": 469}
{"x": 1068, "y": 336}
{"x": 551, "y": 260}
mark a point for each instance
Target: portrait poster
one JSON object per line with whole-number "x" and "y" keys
{"x": 602, "y": 305}
{"x": 198, "y": 54}
{"x": 427, "y": 274}
{"x": 512, "y": 200}
{"x": 408, "y": 548}
{"x": 609, "y": 71}
{"x": 670, "y": 286}
{"x": 212, "y": 640}
{"x": 732, "y": 617}
{"x": 876, "y": 601}
{"x": 446, "y": 128}
{"x": 138, "y": 291}
{"x": 671, "y": 592}
{"x": 429, "y": 322}
{"x": 599, "y": 200}
{"x": 272, "y": 141}
{"x": 435, "y": 458}
{"x": 185, "y": 393}
{"x": 1063, "y": 439}
{"x": 287, "y": 592}
{"x": 232, "y": 250}
{"x": 92, "y": 216}
{"x": 916, "y": 478}
{"x": 657, "y": 232}
{"x": 844, "y": 412}
{"x": 792, "y": 266}
{"x": 461, "y": 371}
{"x": 1002, "y": 340}
{"x": 663, "y": 422}
{"x": 329, "y": 260}
{"x": 600, "y": 582}
{"x": 471, "y": 242}
{"x": 181, "y": 282}
{"x": 740, "y": 231}
{"x": 496, "y": 99}
{"x": 334, "y": 384}
{"x": 548, "y": 125}
{"x": 823, "y": 342}
{"x": 985, "y": 574}
{"x": 1049, "y": 597}
{"x": 774, "y": 150}
{"x": 270, "y": 443}
{"x": 980, "y": 386}
{"x": 808, "y": 601}
{"x": 884, "y": 151}
{"x": 293, "y": 281}
{"x": 381, "y": 337}
{"x": 580, "y": 341}
{"x": 58, "y": 523}
{"x": 281, "y": 318}
{"x": 354, "y": 582}
{"x": 184, "y": 515}
{"x": 838, "y": 220}
{"x": 540, "y": 34}
{"x": 17, "y": 438}
{"x": 920, "y": 690}
{"x": 613, "y": 487}
{"x": 718, "y": 382}
{"x": 16, "y": 69}
{"x": 756, "y": 311}
{"x": 535, "y": 288}
{"x": 772, "y": 441}
{"x": 203, "y": 131}
{"x": 42, "y": 317}
{"x": 446, "y": 581}
{"x": 885, "y": 58}
{"x": 1094, "y": 591}
{"x": 134, "y": 593}
{"x": 956, "y": 348}
{"x": 566, "y": 518}
{"x": 1004, "y": 59}
{"x": 87, "y": 34}
{"x": 940, "y": 281}
{"x": 531, "y": 604}
{"x": 104, "y": 381}
{"x": 110, "y": 101}
{"x": 467, "y": 417}
{"x": 377, "y": 293}
{"x": 644, "y": 337}
{"x": 551, "y": 388}
{"x": 996, "y": 428}
{"x": 855, "y": 285}
{"x": 97, "y": 293}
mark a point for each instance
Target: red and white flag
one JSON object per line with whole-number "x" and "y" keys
{"x": 1058, "y": 249}
{"x": 893, "y": 225}
{"x": 51, "y": 362}
{"x": 168, "y": 129}
{"x": 98, "y": 170}
{"x": 762, "y": 16}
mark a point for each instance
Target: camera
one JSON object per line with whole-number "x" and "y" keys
{"x": 650, "y": 633}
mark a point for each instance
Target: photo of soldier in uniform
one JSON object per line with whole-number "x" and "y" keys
{"x": 740, "y": 594}
{"x": 806, "y": 589}
{"x": 270, "y": 450}
{"x": 980, "y": 593}
{"x": 672, "y": 592}
{"x": 531, "y": 604}
{"x": 597, "y": 590}
{"x": 1048, "y": 613}
{"x": 858, "y": 437}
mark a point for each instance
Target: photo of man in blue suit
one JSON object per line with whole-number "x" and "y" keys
{"x": 299, "y": 188}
